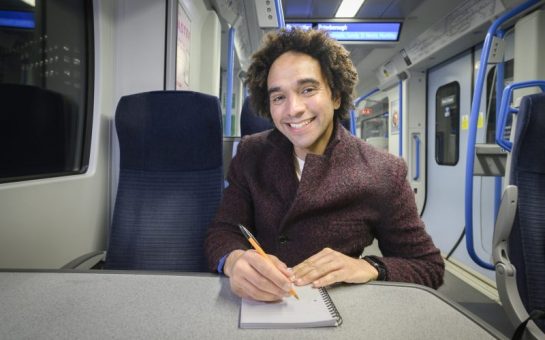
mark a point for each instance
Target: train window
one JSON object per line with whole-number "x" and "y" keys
{"x": 46, "y": 78}
{"x": 447, "y": 124}
{"x": 491, "y": 99}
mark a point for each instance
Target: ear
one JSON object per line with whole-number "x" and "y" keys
{"x": 336, "y": 102}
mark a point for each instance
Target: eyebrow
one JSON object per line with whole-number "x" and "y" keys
{"x": 299, "y": 82}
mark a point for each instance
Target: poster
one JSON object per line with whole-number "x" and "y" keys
{"x": 394, "y": 119}
{"x": 183, "y": 41}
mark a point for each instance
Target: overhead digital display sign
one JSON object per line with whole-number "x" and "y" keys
{"x": 356, "y": 31}
{"x": 365, "y": 31}
{"x": 302, "y": 25}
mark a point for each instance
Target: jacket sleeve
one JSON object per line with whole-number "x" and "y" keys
{"x": 236, "y": 207}
{"x": 408, "y": 250}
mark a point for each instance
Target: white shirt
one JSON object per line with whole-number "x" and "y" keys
{"x": 299, "y": 165}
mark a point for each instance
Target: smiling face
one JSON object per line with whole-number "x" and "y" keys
{"x": 301, "y": 102}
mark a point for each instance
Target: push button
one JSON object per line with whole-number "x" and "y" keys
{"x": 282, "y": 239}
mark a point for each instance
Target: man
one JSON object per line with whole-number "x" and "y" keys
{"x": 312, "y": 194}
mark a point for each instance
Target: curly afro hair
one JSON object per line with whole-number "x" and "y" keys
{"x": 334, "y": 59}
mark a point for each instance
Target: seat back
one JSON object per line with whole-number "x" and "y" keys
{"x": 519, "y": 235}
{"x": 346, "y": 123}
{"x": 251, "y": 123}
{"x": 527, "y": 239}
{"x": 170, "y": 180}
{"x": 33, "y": 131}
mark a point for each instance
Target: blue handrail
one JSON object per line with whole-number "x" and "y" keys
{"x": 353, "y": 112}
{"x": 506, "y": 109}
{"x": 230, "y": 68}
{"x": 400, "y": 118}
{"x": 279, "y": 13}
{"x": 471, "y": 138}
{"x": 417, "y": 154}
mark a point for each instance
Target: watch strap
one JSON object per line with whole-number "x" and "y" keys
{"x": 378, "y": 265}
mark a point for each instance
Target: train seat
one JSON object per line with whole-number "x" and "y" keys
{"x": 170, "y": 181}
{"x": 250, "y": 122}
{"x": 35, "y": 127}
{"x": 519, "y": 237}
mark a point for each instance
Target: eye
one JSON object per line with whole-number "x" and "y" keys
{"x": 309, "y": 90}
{"x": 277, "y": 98}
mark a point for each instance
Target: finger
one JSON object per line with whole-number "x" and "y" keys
{"x": 265, "y": 285}
{"x": 313, "y": 267}
{"x": 248, "y": 290}
{"x": 328, "y": 279}
{"x": 320, "y": 255}
{"x": 349, "y": 270}
{"x": 302, "y": 270}
{"x": 271, "y": 279}
{"x": 247, "y": 282}
{"x": 281, "y": 266}
{"x": 318, "y": 270}
{"x": 245, "y": 289}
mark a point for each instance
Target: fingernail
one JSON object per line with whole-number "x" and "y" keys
{"x": 287, "y": 287}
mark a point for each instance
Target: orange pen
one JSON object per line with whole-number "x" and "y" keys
{"x": 260, "y": 251}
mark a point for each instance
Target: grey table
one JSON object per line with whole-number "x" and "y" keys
{"x": 115, "y": 305}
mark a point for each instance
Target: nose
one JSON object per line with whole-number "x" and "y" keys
{"x": 296, "y": 106}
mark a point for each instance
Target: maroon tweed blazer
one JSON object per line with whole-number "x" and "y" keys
{"x": 348, "y": 196}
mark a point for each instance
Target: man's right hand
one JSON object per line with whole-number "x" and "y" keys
{"x": 253, "y": 277}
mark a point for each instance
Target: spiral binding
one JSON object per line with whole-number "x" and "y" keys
{"x": 330, "y": 306}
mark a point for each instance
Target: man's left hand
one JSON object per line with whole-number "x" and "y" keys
{"x": 329, "y": 266}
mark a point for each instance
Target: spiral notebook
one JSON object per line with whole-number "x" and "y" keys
{"x": 314, "y": 309}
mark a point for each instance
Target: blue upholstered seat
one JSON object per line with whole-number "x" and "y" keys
{"x": 250, "y": 122}
{"x": 35, "y": 131}
{"x": 519, "y": 236}
{"x": 527, "y": 241}
{"x": 170, "y": 180}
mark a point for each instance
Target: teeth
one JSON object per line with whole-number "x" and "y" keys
{"x": 300, "y": 125}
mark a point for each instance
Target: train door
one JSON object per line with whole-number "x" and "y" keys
{"x": 449, "y": 100}
{"x": 377, "y": 120}
{"x": 379, "y": 123}
{"x": 413, "y": 104}
{"x": 372, "y": 121}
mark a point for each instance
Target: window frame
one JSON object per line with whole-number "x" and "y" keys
{"x": 87, "y": 106}
{"x": 445, "y": 87}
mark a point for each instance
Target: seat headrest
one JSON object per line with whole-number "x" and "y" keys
{"x": 250, "y": 122}
{"x": 529, "y": 145}
{"x": 169, "y": 131}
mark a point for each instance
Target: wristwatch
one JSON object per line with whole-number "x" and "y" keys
{"x": 378, "y": 265}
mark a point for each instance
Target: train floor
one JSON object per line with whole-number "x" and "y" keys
{"x": 476, "y": 302}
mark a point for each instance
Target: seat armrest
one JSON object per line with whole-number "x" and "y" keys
{"x": 505, "y": 271}
{"x": 504, "y": 223}
{"x": 78, "y": 262}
